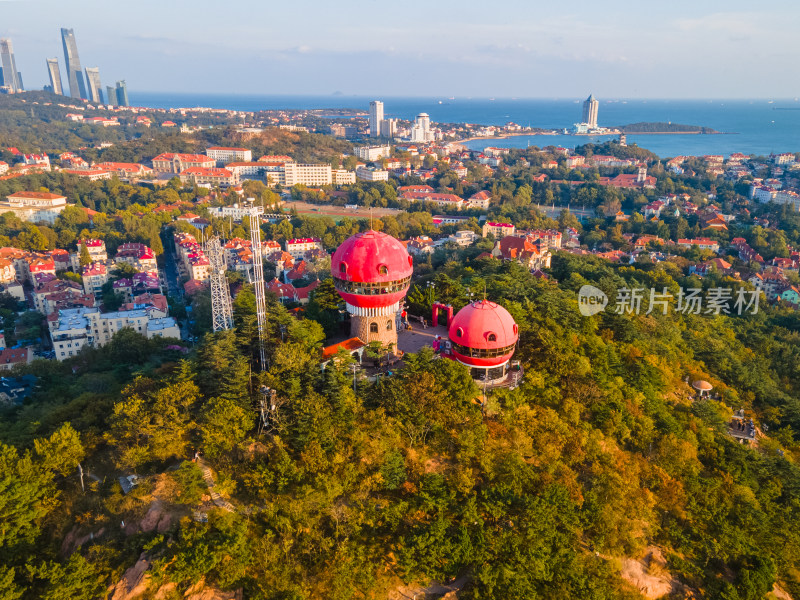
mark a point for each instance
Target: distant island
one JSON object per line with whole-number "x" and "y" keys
{"x": 660, "y": 127}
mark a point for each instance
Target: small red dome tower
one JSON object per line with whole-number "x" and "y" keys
{"x": 372, "y": 272}
{"x": 483, "y": 336}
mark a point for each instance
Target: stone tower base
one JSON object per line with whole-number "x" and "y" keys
{"x": 375, "y": 329}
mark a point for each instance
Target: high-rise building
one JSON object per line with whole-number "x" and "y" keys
{"x": 55, "y": 76}
{"x": 93, "y": 83}
{"x": 590, "y": 107}
{"x": 77, "y": 87}
{"x": 122, "y": 93}
{"x": 421, "y": 131}
{"x": 375, "y": 118}
{"x": 389, "y": 128}
{"x": 111, "y": 93}
{"x": 9, "y": 77}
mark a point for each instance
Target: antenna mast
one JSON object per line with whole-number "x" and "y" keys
{"x": 221, "y": 312}
{"x": 254, "y": 213}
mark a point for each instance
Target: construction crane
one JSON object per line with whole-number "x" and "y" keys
{"x": 221, "y": 312}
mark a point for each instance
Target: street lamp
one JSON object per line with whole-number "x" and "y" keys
{"x": 354, "y": 368}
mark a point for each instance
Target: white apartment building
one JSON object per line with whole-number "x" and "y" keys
{"x": 421, "y": 130}
{"x": 342, "y": 177}
{"x": 94, "y": 278}
{"x": 73, "y": 329}
{"x": 248, "y": 169}
{"x": 209, "y": 176}
{"x": 34, "y": 206}
{"x": 788, "y": 197}
{"x": 498, "y": 230}
{"x": 763, "y": 194}
{"x": 225, "y": 155}
{"x": 371, "y": 153}
{"x": 235, "y": 212}
{"x": 389, "y": 128}
{"x": 299, "y": 246}
{"x": 366, "y": 174}
{"x": 463, "y": 238}
{"x": 310, "y": 175}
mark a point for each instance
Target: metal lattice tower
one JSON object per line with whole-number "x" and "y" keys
{"x": 258, "y": 281}
{"x": 222, "y": 314}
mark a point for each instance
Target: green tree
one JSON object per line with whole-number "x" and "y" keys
{"x": 85, "y": 258}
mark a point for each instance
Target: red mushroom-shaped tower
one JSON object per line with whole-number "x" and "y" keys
{"x": 483, "y": 336}
{"x": 372, "y": 272}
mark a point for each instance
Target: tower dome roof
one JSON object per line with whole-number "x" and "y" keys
{"x": 371, "y": 269}
{"x": 483, "y": 333}
{"x": 371, "y": 257}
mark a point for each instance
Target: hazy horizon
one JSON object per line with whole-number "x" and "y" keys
{"x": 616, "y": 49}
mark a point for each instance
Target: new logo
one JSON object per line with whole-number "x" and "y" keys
{"x": 591, "y": 300}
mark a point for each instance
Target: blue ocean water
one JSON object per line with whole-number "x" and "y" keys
{"x": 751, "y": 126}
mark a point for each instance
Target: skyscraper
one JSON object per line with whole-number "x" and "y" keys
{"x": 10, "y": 76}
{"x": 77, "y": 88}
{"x": 122, "y": 94}
{"x": 421, "y": 130}
{"x": 590, "y": 107}
{"x": 111, "y": 92}
{"x": 375, "y": 118}
{"x": 93, "y": 82}
{"x": 55, "y": 76}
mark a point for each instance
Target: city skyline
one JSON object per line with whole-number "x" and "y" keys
{"x": 543, "y": 51}
{"x": 10, "y": 75}
{"x": 77, "y": 86}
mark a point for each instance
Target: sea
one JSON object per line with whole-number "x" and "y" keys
{"x": 758, "y": 126}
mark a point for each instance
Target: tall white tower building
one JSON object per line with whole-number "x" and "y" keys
{"x": 375, "y": 118}
{"x": 590, "y": 107}
{"x": 421, "y": 131}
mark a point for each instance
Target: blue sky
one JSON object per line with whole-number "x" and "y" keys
{"x": 613, "y": 48}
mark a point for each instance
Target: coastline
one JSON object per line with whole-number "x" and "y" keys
{"x": 578, "y": 135}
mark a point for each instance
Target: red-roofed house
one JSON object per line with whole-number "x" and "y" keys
{"x": 138, "y": 256}
{"x": 299, "y": 271}
{"x": 702, "y": 243}
{"x": 299, "y": 246}
{"x": 95, "y": 248}
{"x": 303, "y": 293}
{"x": 450, "y": 201}
{"x": 94, "y": 278}
{"x": 90, "y": 174}
{"x": 193, "y": 286}
{"x": 39, "y": 264}
{"x": 125, "y": 170}
{"x": 284, "y": 291}
{"x": 209, "y": 176}
{"x": 532, "y": 253}
{"x": 480, "y": 200}
{"x": 11, "y": 357}
{"x": 354, "y": 347}
{"x": 498, "y": 230}
{"x": 419, "y": 189}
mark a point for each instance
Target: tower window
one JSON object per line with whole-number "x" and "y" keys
{"x": 388, "y": 325}
{"x": 383, "y": 269}
{"x": 373, "y": 327}
{"x": 491, "y": 337}
{"x": 343, "y": 267}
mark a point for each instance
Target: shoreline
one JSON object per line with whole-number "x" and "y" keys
{"x": 510, "y": 135}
